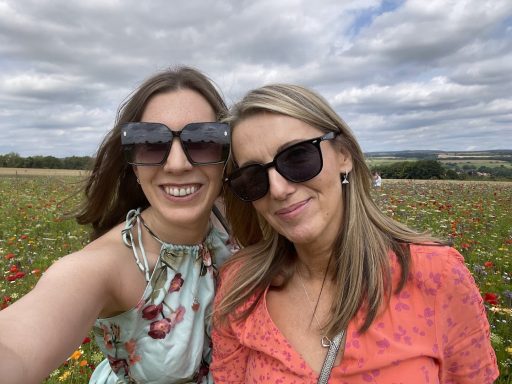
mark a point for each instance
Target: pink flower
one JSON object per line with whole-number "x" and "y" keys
{"x": 151, "y": 311}
{"x": 132, "y": 359}
{"x": 176, "y": 283}
{"x": 107, "y": 337}
{"x": 207, "y": 258}
{"x": 160, "y": 328}
{"x": 130, "y": 346}
{"x": 177, "y": 316}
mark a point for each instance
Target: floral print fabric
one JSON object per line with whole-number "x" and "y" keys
{"x": 434, "y": 331}
{"x": 165, "y": 338}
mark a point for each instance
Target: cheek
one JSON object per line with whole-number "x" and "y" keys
{"x": 144, "y": 173}
{"x": 261, "y": 208}
{"x": 215, "y": 176}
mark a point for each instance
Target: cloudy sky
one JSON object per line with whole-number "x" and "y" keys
{"x": 415, "y": 74}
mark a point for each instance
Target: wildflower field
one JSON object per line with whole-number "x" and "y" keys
{"x": 477, "y": 216}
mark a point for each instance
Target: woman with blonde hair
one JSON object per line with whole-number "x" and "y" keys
{"x": 326, "y": 284}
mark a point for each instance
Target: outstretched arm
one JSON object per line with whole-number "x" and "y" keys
{"x": 40, "y": 330}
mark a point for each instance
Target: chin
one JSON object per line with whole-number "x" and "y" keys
{"x": 184, "y": 216}
{"x": 300, "y": 237}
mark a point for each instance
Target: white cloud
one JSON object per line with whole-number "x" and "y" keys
{"x": 403, "y": 74}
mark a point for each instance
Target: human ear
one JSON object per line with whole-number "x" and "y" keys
{"x": 344, "y": 161}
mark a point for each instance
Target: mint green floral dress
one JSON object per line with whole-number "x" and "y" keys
{"x": 166, "y": 338}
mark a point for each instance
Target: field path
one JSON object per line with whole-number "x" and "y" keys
{"x": 41, "y": 172}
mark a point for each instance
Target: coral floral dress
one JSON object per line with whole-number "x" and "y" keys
{"x": 434, "y": 331}
{"x": 165, "y": 338}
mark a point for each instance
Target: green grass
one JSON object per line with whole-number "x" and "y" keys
{"x": 476, "y": 215}
{"x": 477, "y": 163}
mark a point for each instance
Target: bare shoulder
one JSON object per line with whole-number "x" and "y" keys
{"x": 101, "y": 269}
{"x": 95, "y": 260}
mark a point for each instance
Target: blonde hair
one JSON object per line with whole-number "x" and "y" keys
{"x": 360, "y": 252}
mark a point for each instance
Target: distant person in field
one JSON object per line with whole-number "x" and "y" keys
{"x": 377, "y": 180}
{"x": 326, "y": 285}
{"x": 146, "y": 282}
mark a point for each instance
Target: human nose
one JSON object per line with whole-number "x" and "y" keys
{"x": 176, "y": 159}
{"x": 279, "y": 187}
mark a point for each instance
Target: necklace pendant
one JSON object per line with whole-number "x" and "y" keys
{"x": 325, "y": 341}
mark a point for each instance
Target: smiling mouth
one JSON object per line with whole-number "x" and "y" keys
{"x": 180, "y": 191}
{"x": 292, "y": 208}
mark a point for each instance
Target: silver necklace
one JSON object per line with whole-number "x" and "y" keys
{"x": 324, "y": 341}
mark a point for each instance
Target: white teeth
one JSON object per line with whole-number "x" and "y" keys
{"x": 178, "y": 192}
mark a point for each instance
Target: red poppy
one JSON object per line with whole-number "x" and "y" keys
{"x": 9, "y": 256}
{"x": 491, "y": 298}
{"x": 23, "y": 237}
{"x": 86, "y": 340}
{"x": 465, "y": 245}
{"x": 488, "y": 264}
{"x": 5, "y": 302}
{"x": 19, "y": 275}
{"x": 15, "y": 274}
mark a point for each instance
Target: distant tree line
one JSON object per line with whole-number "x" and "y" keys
{"x": 421, "y": 169}
{"x": 433, "y": 169}
{"x": 14, "y": 160}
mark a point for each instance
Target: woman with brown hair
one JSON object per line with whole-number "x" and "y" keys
{"x": 326, "y": 284}
{"x": 146, "y": 282}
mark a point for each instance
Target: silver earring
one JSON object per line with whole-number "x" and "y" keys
{"x": 345, "y": 178}
{"x": 138, "y": 181}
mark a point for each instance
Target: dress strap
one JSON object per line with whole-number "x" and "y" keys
{"x": 133, "y": 217}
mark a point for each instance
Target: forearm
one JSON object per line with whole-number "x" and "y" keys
{"x": 12, "y": 368}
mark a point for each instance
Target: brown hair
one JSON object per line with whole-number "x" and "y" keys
{"x": 359, "y": 254}
{"x": 112, "y": 189}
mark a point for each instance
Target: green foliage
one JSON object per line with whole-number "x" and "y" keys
{"x": 14, "y": 160}
{"x": 421, "y": 169}
{"x": 476, "y": 165}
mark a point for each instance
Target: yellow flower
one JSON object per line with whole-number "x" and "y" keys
{"x": 509, "y": 350}
{"x": 64, "y": 376}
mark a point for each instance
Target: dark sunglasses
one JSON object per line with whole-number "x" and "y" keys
{"x": 298, "y": 163}
{"x": 150, "y": 143}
